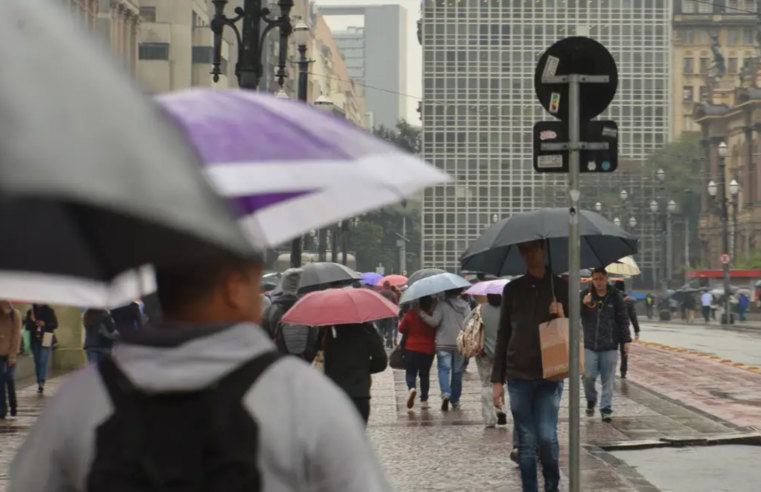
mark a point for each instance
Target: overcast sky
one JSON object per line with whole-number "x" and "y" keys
{"x": 414, "y": 88}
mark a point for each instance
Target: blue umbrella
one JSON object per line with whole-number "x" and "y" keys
{"x": 370, "y": 278}
{"x": 433, "y": 285}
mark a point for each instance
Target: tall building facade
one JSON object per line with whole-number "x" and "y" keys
{"x": 479, "y": 105}
{"x": 119, "y": 23}
{"x": 376, "y": 57}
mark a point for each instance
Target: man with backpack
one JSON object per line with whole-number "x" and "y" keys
{"x": 290, "y": 339}
{"x": 200, "y": 402}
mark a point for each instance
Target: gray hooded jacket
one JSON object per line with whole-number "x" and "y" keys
{"x": 447, "y": 318}
{"x": 323, "y": 449}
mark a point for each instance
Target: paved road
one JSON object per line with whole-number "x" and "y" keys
{"x": 738, "y": 346}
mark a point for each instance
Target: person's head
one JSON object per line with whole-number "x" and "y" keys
{"x": 453, "y": 293}
{"x": 600, "y": 279}
{"x": 532, "y": 253}
{"x": 291, "y": 281}
{"x": 387, "y": 285}
{"x": 494, "y": 300}
{"x": 480, "y": 299}
{"x": 220, "y": 290}
{"x": 426, "y": 303}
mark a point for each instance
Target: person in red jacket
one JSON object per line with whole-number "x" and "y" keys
{"x": 419, "y": 350}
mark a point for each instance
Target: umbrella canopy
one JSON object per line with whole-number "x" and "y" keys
{"x": 433, "y": 285}
{"x": 488, "y": 287}
{"x": 496, "y": 250}
{"x": 624, "y": 266}
{"x": 340, "y": 307}
{"x": 424, "y": 273}
{"x": 322, "y": 275}
{"x": 290, "y": 167}
{"x": 395, "y": 280}
{"x": 95, "y": 179}
{"x": 370, "y": 278}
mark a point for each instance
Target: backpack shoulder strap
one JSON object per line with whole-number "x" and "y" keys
{"x": 237, "y": 383}
{"x": 119, "y": 387}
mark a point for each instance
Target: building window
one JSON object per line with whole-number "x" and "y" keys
{"x": 748, "y": 6}
{"x": 704, "y": 64}
{"x": 705, "y": 7}
{"x": 688, "y": 93}
{"x": 688, "y": 37}
{"x": 153, "y": 51}
{"x": 731, "y": 7}
{"x": 704, "y": 94}
{"x": 148, "y": 14}
{"x": 689, "y": 65}
{"x": 732, "y": 65}
{"x": 688, "y": 7}
{"x": 733, "y": 37}
{"x": 205, "y": 55}
{"x": 749, "y": 36}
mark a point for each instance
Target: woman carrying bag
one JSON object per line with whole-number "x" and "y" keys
{"x": 41, "y": 322}
{"x": 419, "y": 348}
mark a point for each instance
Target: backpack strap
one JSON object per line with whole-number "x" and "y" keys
{"x": 237, "y": 383}
{"x": 118, "y": 385}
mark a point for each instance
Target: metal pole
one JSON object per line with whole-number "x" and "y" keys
{"x": 250, "y": 65}
{"x": 687, "y": 243}
{"x": 724, "y": 236}
{"x": 669, "y": 247}
{"x": 734, "y": 228}
{"x": 345, "y": 243}
{"x": 574, "y": 265}
{"x": 302, "y": 94}
{"x": 403, "y": 247}
{"x": 334, "y": 244}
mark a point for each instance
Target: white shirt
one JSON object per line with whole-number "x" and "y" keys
{"x": 706, "y": 299}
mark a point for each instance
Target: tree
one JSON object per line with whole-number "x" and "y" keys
{"x": 404, "y": 136}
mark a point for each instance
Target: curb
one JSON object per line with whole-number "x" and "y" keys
{"x": 716, "y": 358}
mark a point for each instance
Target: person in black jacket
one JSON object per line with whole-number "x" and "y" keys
{"x": 100, "y": 334}
{"x": 128, "y": 318}
{"x": 631, "y": 310}
{"x": 41, "y": 321}
{"x": 352, "y": 354}
{"x": 606, "y": 325}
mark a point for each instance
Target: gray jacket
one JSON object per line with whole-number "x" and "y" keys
{"x": 447, "y": 318}
{"x": 490, "y": 320}
{"x": 322, "y": 450}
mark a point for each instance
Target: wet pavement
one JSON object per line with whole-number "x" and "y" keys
{"x": 739, "y": 346}
{"x": 699, "y": 469}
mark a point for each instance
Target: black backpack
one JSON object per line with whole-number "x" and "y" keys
{"x": 196, "y": 441}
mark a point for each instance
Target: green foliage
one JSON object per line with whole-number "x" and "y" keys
{"x": 404, "y": 136}
{"x": 751, "y": 262}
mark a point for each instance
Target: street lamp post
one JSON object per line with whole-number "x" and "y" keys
{"x": 670, "y": 209}
{"x": 721, "y": 188}
{"x": 248, "y": 68}
{"x": 734, "y": 190}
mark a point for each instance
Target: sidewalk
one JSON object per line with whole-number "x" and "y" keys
{"x": 699, "y": 321}
{"x": 432, "y": 451}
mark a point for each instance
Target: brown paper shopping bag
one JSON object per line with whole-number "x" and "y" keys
{"x": 553, "y": 337}
{"x": 47, "y": 339}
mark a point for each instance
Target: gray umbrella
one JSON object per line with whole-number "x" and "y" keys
{"x": 433, "y": 285}
{"x": 321, "y": 275}
{"x": 94, "y": 179}
{"x": 424, "y": 273}
{"x": 496, "y": 251}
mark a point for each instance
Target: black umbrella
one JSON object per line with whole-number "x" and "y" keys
{"x": 424, "y": 273}
{"x": 94, "y": 179}
{"x": 496, "y": 251}
{"x": 322, "y": 275}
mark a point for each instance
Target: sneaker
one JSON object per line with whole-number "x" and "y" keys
{"x": 501, "y": 418}
{"x": 424, "y": 405}
{"x": 411, "y": 398}
{"x": 13, "y": 412}
{"x": 606, "y": 415}
{"x": 591, "y": 408}
{"x": 623, "y": 375}
{"x": 514, "y": 455}
{"x": 456, "y": 406}
{"x": 445, "y": 404}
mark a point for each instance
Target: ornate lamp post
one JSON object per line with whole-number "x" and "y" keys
{"x": 248, "y": 67}
{"x": 723, "y": 203}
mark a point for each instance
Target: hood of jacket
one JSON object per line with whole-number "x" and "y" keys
{"x": 454, "y": 310}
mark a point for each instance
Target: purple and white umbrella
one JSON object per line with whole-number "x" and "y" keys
{"x": 289, "y": 167}
{"x": 488, "y": 287}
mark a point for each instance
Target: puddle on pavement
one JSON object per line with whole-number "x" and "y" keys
{"x": 727, "y": 468}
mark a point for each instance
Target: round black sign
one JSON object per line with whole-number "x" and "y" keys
{"x": 583, "y": 56}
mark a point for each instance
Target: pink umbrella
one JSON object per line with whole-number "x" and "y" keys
{"x": 395, "y": 280}
{"x": 340, "y": 307}
{"x": 488, "y": 287}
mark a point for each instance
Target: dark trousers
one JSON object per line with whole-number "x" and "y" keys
{"x": 649, "y": 308}
{"x": 707, "y": 313}
{"x": 624, "y": 360}
{"x": 363, "y": 407}
{"x": 387, "y": 330}
{"x": 418, "y": 364}
{"x": 6, "y": 383}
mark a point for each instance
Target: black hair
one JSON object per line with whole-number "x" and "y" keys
{"x": 453, "y": 292}
{"x": 425, "y": 303}
{"x": 620, "y": 285}
{"x": 494, "y": 299}
{"x": 182, "y": 285}
{"x": 600, "y": 270}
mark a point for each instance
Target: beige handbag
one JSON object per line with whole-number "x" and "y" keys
{"x": 47, "y": 339}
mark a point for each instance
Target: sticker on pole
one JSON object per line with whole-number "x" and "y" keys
{"x": 725, "y": 259}
{"x": 552, "y": 161}
{"x": 551, "y": 66}
{"x": 554, "y": 103}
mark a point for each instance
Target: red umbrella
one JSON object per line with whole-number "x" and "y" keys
{"x": 395, "y": 280}
{"x": 340, "y": 307}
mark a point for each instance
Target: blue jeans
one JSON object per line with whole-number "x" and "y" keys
{"x": 601, "y": 364}
{"x": 449, "y": 363}
{"x": 535, "y": 406}
{"x": 95, "y": 356}
{"x": 41, "y": 356}
{"x": 4, "y": 376}
{"x": 10, "y": 384}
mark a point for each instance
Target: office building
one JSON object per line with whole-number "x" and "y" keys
{"x": 479, "y": 106}
{"x": 376, "y": 58}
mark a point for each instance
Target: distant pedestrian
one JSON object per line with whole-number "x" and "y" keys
{"x": 353, "y": 353}
{"x": 706, "y": 303}
{"x": 100, "y": 334}
{"x": 606, "y": 326}
{"x": 688, "y": 303}
{"x": 649, "y": 305}
{"x": 10, "y": 344}
{"x": 128, "y": 317}
{"x": 41, "y": 323}
{"x": 742, "y": 306}
{"x": 527, "y": 302}
{"x": 420, "y": 349}
{"x": 631, "y": 311}
{"x": 388, "y": 326}
{"x": 447, "y": 319}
